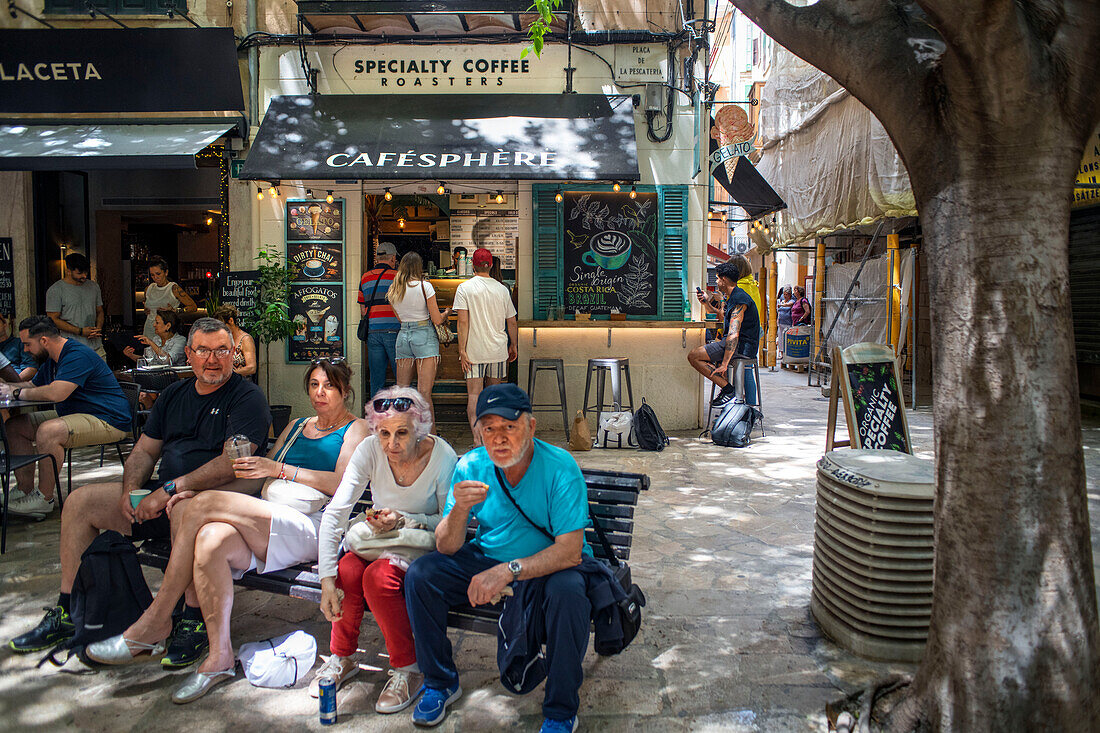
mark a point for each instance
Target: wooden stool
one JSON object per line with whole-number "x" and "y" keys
{"x": 556, "y": 365}
{"x": 617, "y": 368}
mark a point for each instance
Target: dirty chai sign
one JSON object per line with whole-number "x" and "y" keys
{"x": 876, "y": 402}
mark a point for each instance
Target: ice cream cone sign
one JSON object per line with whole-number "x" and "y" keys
{"x": 734, "y": 134}
{"x": 314, "y": 216}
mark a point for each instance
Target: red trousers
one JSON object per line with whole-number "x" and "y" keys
{"x": 381, "y": 586}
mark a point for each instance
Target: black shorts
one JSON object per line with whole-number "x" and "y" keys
{"x": 716, "y": 350}
{"x": 157, "y": 528}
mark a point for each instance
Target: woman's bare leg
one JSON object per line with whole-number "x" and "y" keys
{"x": 219, "y": 548}
{"x": 425, "y": 380}
{"x": 251, "y": 515}
{"x": 405, "y": 370}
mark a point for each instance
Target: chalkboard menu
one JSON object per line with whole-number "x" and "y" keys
{"x": 242, "y": 291}
{"x": 610, "y": 253}
{"x": 876, "y": 404}
{"x": 318, "y": 315}
{"x": 7, "y": 276}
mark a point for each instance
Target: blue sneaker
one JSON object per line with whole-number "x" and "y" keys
{"x": 549, "y": 725}
{"x": 432, "y": 707}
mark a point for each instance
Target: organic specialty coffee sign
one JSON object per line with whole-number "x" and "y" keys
{"x": 318, "y": 315}
{"x": 876, "y": 401}
{"x": 242, "y": 290}
{"x": 610, "y": 253}
{"x": 315, "y": 221}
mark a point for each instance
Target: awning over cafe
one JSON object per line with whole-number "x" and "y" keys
{"x": 580, "y": 137}
{"x": 88, "y": 147}
{"x": 749, "y": 189}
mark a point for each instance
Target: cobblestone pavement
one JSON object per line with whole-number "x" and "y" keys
{"x": 722, "y": 548}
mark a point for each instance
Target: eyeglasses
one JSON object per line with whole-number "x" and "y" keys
{"x": 204, "y": 353}
{"x": 329, "y": 360}
{"x": 399, "y": 404}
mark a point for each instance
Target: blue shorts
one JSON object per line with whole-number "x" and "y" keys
{"x": 716, "y": 350}
{"x": 417, "y": 342}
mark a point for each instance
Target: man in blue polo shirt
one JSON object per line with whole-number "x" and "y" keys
{"x": 90, "y": 409}
{"x": 548, "y": 487}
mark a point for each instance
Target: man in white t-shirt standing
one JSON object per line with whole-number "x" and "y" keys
{"x": 487, "y": 330}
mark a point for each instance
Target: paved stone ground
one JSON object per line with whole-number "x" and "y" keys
{"x": 723, "y": 550}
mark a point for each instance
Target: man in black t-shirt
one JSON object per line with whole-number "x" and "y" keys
{"x": 187, "y": 429}
{"x": 742, "y": 332}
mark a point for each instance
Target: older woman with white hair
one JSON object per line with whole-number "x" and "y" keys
{"x": 409, "y": 473}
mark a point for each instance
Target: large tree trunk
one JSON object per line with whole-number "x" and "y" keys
{"x": 1013, "y": 643}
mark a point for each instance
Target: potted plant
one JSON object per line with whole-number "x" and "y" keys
{"x": 272, "y": 318}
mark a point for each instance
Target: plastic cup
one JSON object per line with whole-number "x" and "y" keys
{"x": 239, "y": 446}
{"x": 137, "y": 495}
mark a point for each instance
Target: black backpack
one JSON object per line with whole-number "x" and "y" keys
{"x": 732, "y": 428}
{"x": 108, "y": 595}
{"x": 647, "y": 429}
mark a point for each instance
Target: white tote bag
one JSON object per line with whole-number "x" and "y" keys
{"x": 278, "y": 662}
{"x": 616, "y": 429}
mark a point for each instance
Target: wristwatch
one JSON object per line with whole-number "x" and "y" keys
{"x": 169, "y": 487}
{"x": 516, "y": 569}
{"x": 15, "y": 393}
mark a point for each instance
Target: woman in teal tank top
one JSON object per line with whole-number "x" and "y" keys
{"x": 239, "y": 533}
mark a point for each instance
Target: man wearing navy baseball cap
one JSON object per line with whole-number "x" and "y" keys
{"x": 531, "y": 504}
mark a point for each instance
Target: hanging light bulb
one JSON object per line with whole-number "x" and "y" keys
{"x": 388, "y": 196}
{"x": 328, "y": 199}
{"x": 272, "y": 191}
{"x": 209, "y": 220}
{"x": 401, "y": 223}
{"x": 442, "y": 189}
{"x": 500, "y": 197}
{"x": 616, "y": 187}
{"x": 710, "y": 213}
{"x": 725, "y": 216}
{"x": 633, "y": 192}
{"x": 558, "y": 197}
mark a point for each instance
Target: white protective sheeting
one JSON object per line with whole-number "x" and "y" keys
{"x": 863, "y": 320}
{"x": 826, "y": 155}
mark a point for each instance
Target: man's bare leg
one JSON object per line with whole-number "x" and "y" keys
{"x": 21, "y": 438}
{"x": 89, "y": 510}
{"x": 701, "y": 362}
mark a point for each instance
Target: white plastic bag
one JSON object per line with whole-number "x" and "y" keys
{"x": 278, "y": 662}
{"x": 616, "y": 429}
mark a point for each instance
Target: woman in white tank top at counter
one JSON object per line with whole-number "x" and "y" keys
{"x": 162, "y": 293}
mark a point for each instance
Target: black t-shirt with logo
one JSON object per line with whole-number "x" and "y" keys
{"x": 194, "y": 427}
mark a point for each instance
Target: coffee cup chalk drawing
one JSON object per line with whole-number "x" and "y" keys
{"x": 610, "y": 253}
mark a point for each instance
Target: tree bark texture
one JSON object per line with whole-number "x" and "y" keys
{"x": 989, "y": 105}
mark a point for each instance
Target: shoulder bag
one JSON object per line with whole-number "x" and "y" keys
{"x": 407, "y": 543}
{"x": 364, "y": 323}
{"x": 297, "y": 496}
{"x": 630, "y": 608}
{"x": 442, "y": 331}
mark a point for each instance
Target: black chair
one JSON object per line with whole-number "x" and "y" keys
{"x": 12, "y": 462}
{"x": 132, "y": 392}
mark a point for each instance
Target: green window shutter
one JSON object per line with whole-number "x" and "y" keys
{"x": 547, "y": 259}
{"x": 672, "y": 252}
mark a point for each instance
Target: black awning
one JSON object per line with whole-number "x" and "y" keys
{"x": 580, "y": 137}
{"x": 749, "y": 189}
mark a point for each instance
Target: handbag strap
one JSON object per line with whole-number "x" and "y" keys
{"x": 373, "y": 292}
{"x": 299, "y": 426}
{"x": 592, "y": 517}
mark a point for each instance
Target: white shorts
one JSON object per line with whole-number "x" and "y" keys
{"x": 493, "y": 370}
{"x": 293, "y": 540}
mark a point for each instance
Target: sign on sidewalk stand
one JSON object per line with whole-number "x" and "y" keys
{"x": 866, "y": 377}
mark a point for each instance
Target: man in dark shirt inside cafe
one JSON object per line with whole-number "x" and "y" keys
{"x": 186, "y": 431}
{"x": 90, "y": 409}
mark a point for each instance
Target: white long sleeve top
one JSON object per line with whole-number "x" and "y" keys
{"x": 421, "y": 502}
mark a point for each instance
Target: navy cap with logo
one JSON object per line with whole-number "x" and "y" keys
{"x": 506, "y": 400}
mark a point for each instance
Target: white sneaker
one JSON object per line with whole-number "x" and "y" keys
{"x": 340, "y": 668}
{"x": 30, "y": 505}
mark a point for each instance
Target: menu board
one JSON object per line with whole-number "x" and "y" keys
{"x": 493, "y": 229}
{"x": 610, "y": 253}
{"x": 876, "y": 404}
{"x": 7, "y": 276}
{"x": 318, "y": 315}
{"x": 315, "y": 221}
{"x": 315, "y": 257}
{"x": 242, "y": 290}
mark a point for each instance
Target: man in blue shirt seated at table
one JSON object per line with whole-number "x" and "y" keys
{"x": 11, "y": 349}
{"x": 548, "y": 486}
{"x": 90, "y": 409}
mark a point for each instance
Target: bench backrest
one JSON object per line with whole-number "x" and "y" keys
{"x": 612, "y": 496}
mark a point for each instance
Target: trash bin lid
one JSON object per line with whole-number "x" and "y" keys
{"x": 880, "y": 472}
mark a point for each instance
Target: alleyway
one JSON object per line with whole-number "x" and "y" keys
{"x": 722, "y": 549}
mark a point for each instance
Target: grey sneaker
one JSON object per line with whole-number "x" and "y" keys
{"x": 30, "y": 505}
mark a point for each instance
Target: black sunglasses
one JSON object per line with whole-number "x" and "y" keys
{"x": 399, "y": 404}
{"x": 329, "y": 360}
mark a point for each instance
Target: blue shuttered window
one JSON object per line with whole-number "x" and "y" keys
{"x": 672, "y": 239}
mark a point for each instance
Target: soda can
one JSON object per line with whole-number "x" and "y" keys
{"x": 326, "y": 688}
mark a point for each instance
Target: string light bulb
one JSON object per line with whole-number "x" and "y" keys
{"x": 500, "y": 197}
{"x": 725, "y": 216}
{"x": 328, "y": 199}
{"x": 633, "y": 192}
{"x": 272, "y": 191}
{"x": 387, "y": 195}
{"x": 209, "y": 220}
{"x": 401, "y": 223}
{"x": 558, "y": 197}
{"x": 710, "y": 213}
{"x": 259, "y": 194}
{"x": 441, "y": 189}
{"x": 616, "y": 187}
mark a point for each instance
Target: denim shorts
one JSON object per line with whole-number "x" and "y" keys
{"x": 716, "y": 350}
{"x": 417, "y": 342}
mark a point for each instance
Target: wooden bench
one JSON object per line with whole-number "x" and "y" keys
{"x": 612, "y": 496}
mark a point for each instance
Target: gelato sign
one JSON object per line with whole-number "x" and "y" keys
{"x": 734, "y": 134}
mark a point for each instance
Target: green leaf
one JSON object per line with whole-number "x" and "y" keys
{"x": 524, "y": 52}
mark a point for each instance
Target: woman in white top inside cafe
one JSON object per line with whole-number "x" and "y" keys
{"x": 413, "y": 300}
{"x": 409, "y": 473}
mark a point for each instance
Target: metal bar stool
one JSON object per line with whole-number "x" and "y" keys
{"x": 735, "y": 375}
{"x": 617, "y": 368}
{"x": 555, "y": 365}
